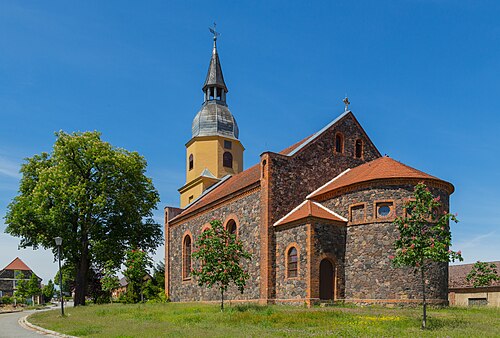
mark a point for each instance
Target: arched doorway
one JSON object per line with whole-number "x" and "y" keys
{"x": 326, "y": 280}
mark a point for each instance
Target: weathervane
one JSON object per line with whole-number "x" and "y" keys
{"x": 347, "y": 103}
{"x": 214, "y": 32}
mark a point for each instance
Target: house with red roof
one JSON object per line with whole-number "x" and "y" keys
{"x": 11, "y": 274}
{"x": 317, "y": 217}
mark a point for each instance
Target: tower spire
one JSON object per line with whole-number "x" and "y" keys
{"x": 214, "y": 87}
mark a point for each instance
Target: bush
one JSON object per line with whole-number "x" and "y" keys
{"x": 6, "y": 300}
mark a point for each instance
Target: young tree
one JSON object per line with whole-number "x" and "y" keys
{"x": 33, "y": 287}
{"x": 68, "y": 278}
{"x": 219, "y": 256}
{"x": 22, "y": 289}
{"x": 109, "y": 280}
{"x": 93, "y": 195}
{"x": 137, "y": 263}
{"x": 482, "y": 274}
{"x": 48, "y": 291}
{"x": 425, "y": 236}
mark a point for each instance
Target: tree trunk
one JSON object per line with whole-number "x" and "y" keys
{"x": 424, "y": 303}
{"x": 82, "y": 275}
{"x": 222, "y": 300}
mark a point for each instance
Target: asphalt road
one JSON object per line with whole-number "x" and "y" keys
{"x": 11, "y": 329}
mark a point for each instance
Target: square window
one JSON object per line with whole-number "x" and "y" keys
{"x": 358, "y": 213}
{"x": 228, "y": 144}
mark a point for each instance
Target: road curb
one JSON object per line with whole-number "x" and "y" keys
{"x": 24, "y": 322}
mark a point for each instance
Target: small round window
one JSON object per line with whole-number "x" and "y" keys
{"x": 384, "y": 210}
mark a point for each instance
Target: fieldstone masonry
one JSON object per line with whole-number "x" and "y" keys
{"x": 359, "y": 249}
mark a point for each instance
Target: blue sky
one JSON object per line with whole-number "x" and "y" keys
{"x": 422, "y": 77}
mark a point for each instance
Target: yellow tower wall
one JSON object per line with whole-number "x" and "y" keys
{"x": 208, "y": 153}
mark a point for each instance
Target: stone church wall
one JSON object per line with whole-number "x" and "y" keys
{"x": 369, "y": 243}
{"x": 291, "y": 288}
{"x": 329, "y": 242}
{"x": 247, "y": 212}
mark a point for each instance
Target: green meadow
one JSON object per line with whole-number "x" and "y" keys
{"x": 206, "y": 320}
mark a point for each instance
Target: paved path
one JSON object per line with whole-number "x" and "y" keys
{"x": 11, "y": 329}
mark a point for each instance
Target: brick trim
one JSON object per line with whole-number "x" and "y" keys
{"x": 233, "y": 217}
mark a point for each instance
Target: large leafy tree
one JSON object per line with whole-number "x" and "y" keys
{"x": 219, "y": 254}
{"x": 93, "y": 195}
{"x": 482, "y": 274}
{"x": 425, "y": 236}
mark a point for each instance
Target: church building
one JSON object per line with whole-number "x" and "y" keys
{"x": 316, "y": 217}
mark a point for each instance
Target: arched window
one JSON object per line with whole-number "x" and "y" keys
{"x": 231, "y": 227}
{"x": 191, "y": 162}
{"x": 359, "y": 149}
{"x": 227, "y": 160}
{"x": 339, "y": 143}
{"x": 264, "y": 163}
{"x": 186, "y": 257}
{"x": 292, "y": 266}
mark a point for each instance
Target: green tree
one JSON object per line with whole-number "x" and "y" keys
{"x": 68, "y": 278}
{"x": 109, "y": 280}
{"x": 482, "y": 274}
{"x": 137, "y": 263}
{"x": 22, "y": 289}
{"x": 425, "y": 237}
{"x": 33, "y": 287}
{"x": 48, "y": 291}
{"x": 93, "y": 195}
{"x": 219, "y": 254}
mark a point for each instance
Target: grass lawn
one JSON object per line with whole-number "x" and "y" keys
{"x": 204, "y": 320}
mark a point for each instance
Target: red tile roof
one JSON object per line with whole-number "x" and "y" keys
{"x": 226, "y": 188}
{"x": 310, "y": 209}
{"x": 17, "y": 264}
{"x": 457, "y": 274}
{"x": 380, "y": 168}
{"x": 233, "y": 184}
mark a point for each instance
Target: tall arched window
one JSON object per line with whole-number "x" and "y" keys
{"x": 339, "y": 143}
{"x": 186, "y": 257}
{"x": 359, "y": 149}
{"x": 191, "y": 162}
{"x": 292, "y": 266}
{"x": 227, "y": 160}
{"x": 231, "y": 227}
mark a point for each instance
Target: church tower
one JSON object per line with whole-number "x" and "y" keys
{"x": 214, "y": 150}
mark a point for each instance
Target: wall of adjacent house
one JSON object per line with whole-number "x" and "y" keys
{"x": 246, "y": 211}
{"x": 463, "y": 298}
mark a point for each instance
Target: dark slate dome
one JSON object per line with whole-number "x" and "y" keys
{"x": 215, "y": 119}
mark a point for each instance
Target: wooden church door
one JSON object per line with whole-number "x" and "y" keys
{"x": 326, "y": 280}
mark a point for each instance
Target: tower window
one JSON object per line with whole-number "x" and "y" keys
{"x": 191, "y": 162}
{"x": 186, "y": 262}
{"x": 227, "y": 160}
{"x": 339, "y": 143}
{"x": 359, "y": 149}
{"x": 228, "y": 144}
